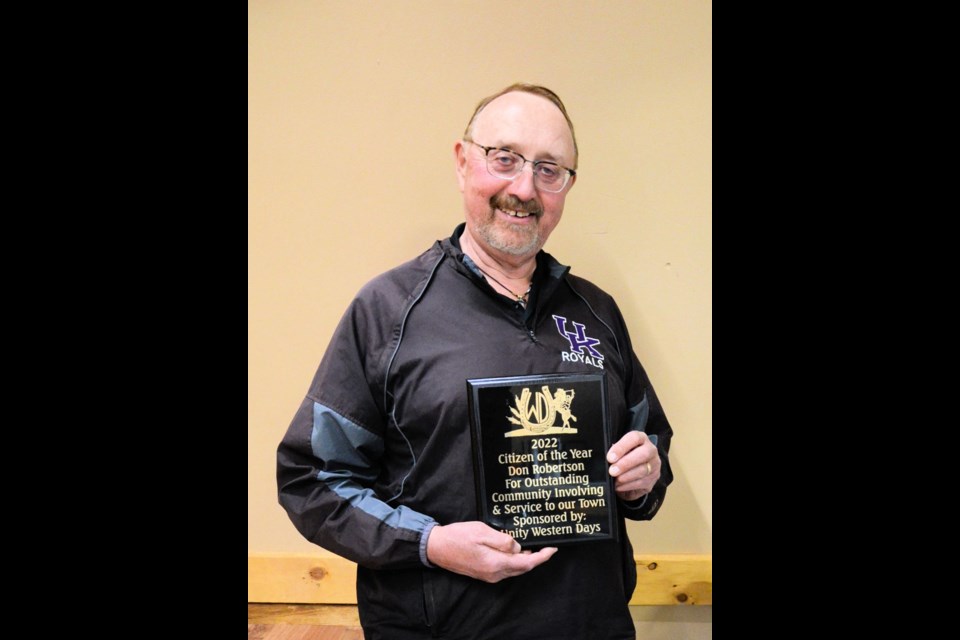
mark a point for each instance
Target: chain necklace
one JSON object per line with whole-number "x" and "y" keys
{"x": 519, "y": 296}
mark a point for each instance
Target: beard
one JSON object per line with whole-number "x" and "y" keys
{"x": 512, "y": 239}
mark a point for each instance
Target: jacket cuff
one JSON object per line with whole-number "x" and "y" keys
{"x": 423, "y": 543}
{"x": 635, "y": 505}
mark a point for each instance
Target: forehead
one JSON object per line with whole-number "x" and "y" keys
{"x": 527, "y": 123}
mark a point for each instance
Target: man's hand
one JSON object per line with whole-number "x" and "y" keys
{"x": 635, "y": 464}
{"x": 476, "y": 550}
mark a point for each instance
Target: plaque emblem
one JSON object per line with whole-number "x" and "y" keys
{"x": 540, "y": 418}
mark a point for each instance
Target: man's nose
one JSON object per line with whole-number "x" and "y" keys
{"x": 523, "y": 186}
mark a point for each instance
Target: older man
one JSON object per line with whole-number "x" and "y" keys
{"x": 377, "y": 464}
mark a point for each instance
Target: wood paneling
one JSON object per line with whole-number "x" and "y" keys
{"x": 679, "y": 579}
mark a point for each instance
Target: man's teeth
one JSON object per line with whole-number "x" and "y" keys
{"x": 517, "y": 214}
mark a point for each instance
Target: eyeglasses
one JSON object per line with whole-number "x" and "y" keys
{"x": 507, "y": 165}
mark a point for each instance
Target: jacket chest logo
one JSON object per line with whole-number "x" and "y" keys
{"x": 582, "y": 346}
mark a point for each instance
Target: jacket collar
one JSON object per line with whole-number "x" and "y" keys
{"x": 548, "y": 275}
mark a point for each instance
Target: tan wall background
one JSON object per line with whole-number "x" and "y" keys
{"x": 354, "y": 107}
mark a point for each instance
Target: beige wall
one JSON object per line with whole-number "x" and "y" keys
{"x": 354, "y": 107}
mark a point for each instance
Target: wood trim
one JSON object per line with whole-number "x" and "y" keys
{"x": 329, "y": 579}
{"x": 673, "y": 579}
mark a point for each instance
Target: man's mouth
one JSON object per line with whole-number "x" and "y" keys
{"x": 517, "y": 214}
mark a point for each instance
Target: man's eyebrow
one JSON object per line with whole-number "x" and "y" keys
{"x": 546, "y": 157}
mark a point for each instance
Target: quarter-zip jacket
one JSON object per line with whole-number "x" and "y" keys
{"x": 380, "y": 451}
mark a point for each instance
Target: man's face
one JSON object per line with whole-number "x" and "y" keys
{"x": 511, "y": 219}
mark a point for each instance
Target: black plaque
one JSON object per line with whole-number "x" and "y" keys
{"x": 540, "y": 444}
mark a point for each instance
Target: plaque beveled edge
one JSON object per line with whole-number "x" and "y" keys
{"x": 473, "y": 387}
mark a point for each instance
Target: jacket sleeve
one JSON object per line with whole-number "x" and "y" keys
{"x": 330, "y": 457}
{"x": 647, "y": 415}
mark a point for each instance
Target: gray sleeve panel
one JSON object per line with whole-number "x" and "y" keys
{"x": 639, "y": 414}
{"x": 349, "y": 453}
{"x": 346, "y": 449}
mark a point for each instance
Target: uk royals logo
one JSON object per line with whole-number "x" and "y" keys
{"x": 581, "y": 345}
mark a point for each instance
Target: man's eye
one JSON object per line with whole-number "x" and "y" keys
{"x": 549, "y": 171}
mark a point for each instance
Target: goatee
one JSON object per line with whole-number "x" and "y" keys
{"x": 512, "y": 239}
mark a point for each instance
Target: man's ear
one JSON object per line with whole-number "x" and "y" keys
{"x": 460, "y": 158}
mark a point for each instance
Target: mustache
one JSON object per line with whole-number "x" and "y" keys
{"x": 513, "y": 203}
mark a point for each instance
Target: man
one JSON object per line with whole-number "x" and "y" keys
{"x": 376, "y": 465}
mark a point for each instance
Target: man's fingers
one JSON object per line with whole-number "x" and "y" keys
{"x": 630, "y": 441}
{"x": 527, "y": 560}
{"x": 501, "y": 541}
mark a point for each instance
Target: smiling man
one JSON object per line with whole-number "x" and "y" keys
{"x": 508, "y": 218}
{"x": 377, "y": 464}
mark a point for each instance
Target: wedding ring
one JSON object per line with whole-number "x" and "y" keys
{"x": 649, "y": 469}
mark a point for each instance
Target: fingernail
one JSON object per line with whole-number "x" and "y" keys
{"x": 614, "y": 470}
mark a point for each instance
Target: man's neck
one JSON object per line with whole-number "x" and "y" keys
{"x": 514, "y": 267}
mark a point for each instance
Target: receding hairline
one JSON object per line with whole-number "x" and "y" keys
{"x": 536, "y": 90}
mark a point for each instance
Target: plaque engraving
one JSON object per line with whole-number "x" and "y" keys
{"x": 540, "y": 444}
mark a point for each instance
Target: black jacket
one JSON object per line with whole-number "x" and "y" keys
{"x": 380, "y": 448}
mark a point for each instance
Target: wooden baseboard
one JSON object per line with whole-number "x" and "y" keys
{"x": 329, "y": 579}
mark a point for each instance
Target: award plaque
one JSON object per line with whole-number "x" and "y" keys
{"x": 540, "y": 444}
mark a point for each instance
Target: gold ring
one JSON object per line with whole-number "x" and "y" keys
{"x": 649, "y": 469}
